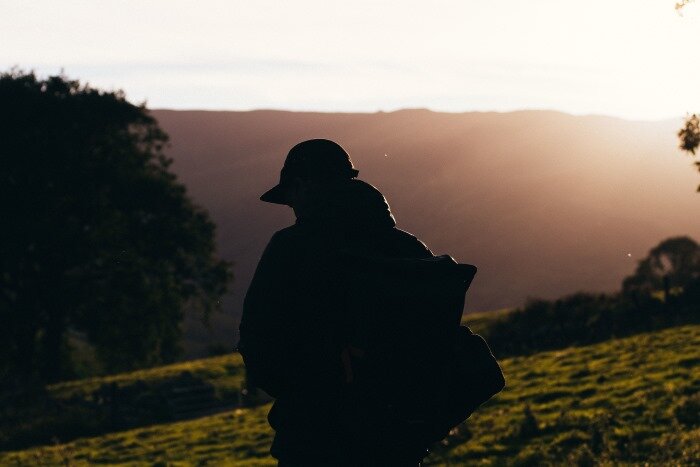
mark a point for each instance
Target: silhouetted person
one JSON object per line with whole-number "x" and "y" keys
{"x": 291, "y": 332}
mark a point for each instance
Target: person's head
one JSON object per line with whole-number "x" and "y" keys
{"x": 311, "y": 167}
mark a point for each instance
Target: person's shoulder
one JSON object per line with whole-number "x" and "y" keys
{"x": 286, "y": 235}
{"x": 409, "y": 244}
{"x": 281, "y": 245}
{"x": 295, "y": 236}
{"x": 286, "y": 232}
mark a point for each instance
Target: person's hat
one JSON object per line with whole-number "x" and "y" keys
{"x": 315, "y": 159}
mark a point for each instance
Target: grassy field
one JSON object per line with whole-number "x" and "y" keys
{"x": 479, "y": 321}
{"x": 224, "y": 373}
{"x": 81, "y": 408}
{"x": 622, "y": 402}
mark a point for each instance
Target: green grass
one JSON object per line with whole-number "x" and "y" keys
{"x": 240, "y": 437}
{"x": 222, "y": 372}
{"x": 616, "y": 401}
{"x": 81, "y": 408}
{"x": 620, "y": 402}
{"x": 480, "y": 321}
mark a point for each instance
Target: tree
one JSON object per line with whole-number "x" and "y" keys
{"x": 99, "y": 237}
{"x": 689, "y": 135}
{"x": 673, "y": 263}
{"x": 682, "y": 4}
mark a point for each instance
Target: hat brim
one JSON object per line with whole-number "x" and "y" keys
{"x": 277, "y": 195}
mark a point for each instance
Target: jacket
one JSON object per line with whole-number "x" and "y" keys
{"x": 291, "y": 331}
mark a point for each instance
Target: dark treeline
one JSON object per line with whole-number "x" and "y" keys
{"x": 103, "y": 250}
{"x": 588, "y": 318}
{"x": 664, "y": 291}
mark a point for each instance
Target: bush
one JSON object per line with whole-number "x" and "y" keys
{"x": 583, "y": 318}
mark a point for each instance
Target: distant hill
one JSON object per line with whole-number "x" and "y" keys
{"x": 544, "y": 203}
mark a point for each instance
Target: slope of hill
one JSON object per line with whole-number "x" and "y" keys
{"x": 631, "y": 400}
{"x": 98, "y": 405}
{"x": 543, "y": 202}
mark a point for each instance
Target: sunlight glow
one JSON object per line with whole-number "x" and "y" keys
{"x": 626, "y": 58}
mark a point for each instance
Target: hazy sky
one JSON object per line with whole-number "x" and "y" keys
{"x": 631, "y": 58}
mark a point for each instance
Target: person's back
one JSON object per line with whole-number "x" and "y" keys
{"x": 292, "y": 336}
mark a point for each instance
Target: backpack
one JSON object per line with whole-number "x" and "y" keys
{"x": 412, "y": 371}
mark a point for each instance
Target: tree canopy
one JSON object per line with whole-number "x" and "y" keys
{"x": 672, "y": 264}
{"x": 689, "y": 135}
{"x": 100, "y": 241}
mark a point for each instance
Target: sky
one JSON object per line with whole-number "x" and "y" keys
{"x": 632, "y": 59}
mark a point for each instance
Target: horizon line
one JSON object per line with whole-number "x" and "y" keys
{"x": 423, "y": 109}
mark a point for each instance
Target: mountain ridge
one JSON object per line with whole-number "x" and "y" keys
{"x": 676, "y": 120}
{"x": 545, "y": 203}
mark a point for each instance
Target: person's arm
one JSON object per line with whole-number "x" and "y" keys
{"x": 262, "y": 325}
{"x": 285, "y": 350}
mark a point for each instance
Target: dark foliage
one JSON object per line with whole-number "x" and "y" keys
{"x": 101, "y": 238}
{"x": 586, "y": 318}
{"x": 671, "y": 265}
{"x": 689, "y": 136}
{"x": 664, "y": 291}
{"x": 543, "y": 324}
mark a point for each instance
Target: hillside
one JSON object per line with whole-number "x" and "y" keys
{"x": 98, "y": 405}
{"x": 544, "y": 203}
{"x": 631, "y": 400}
